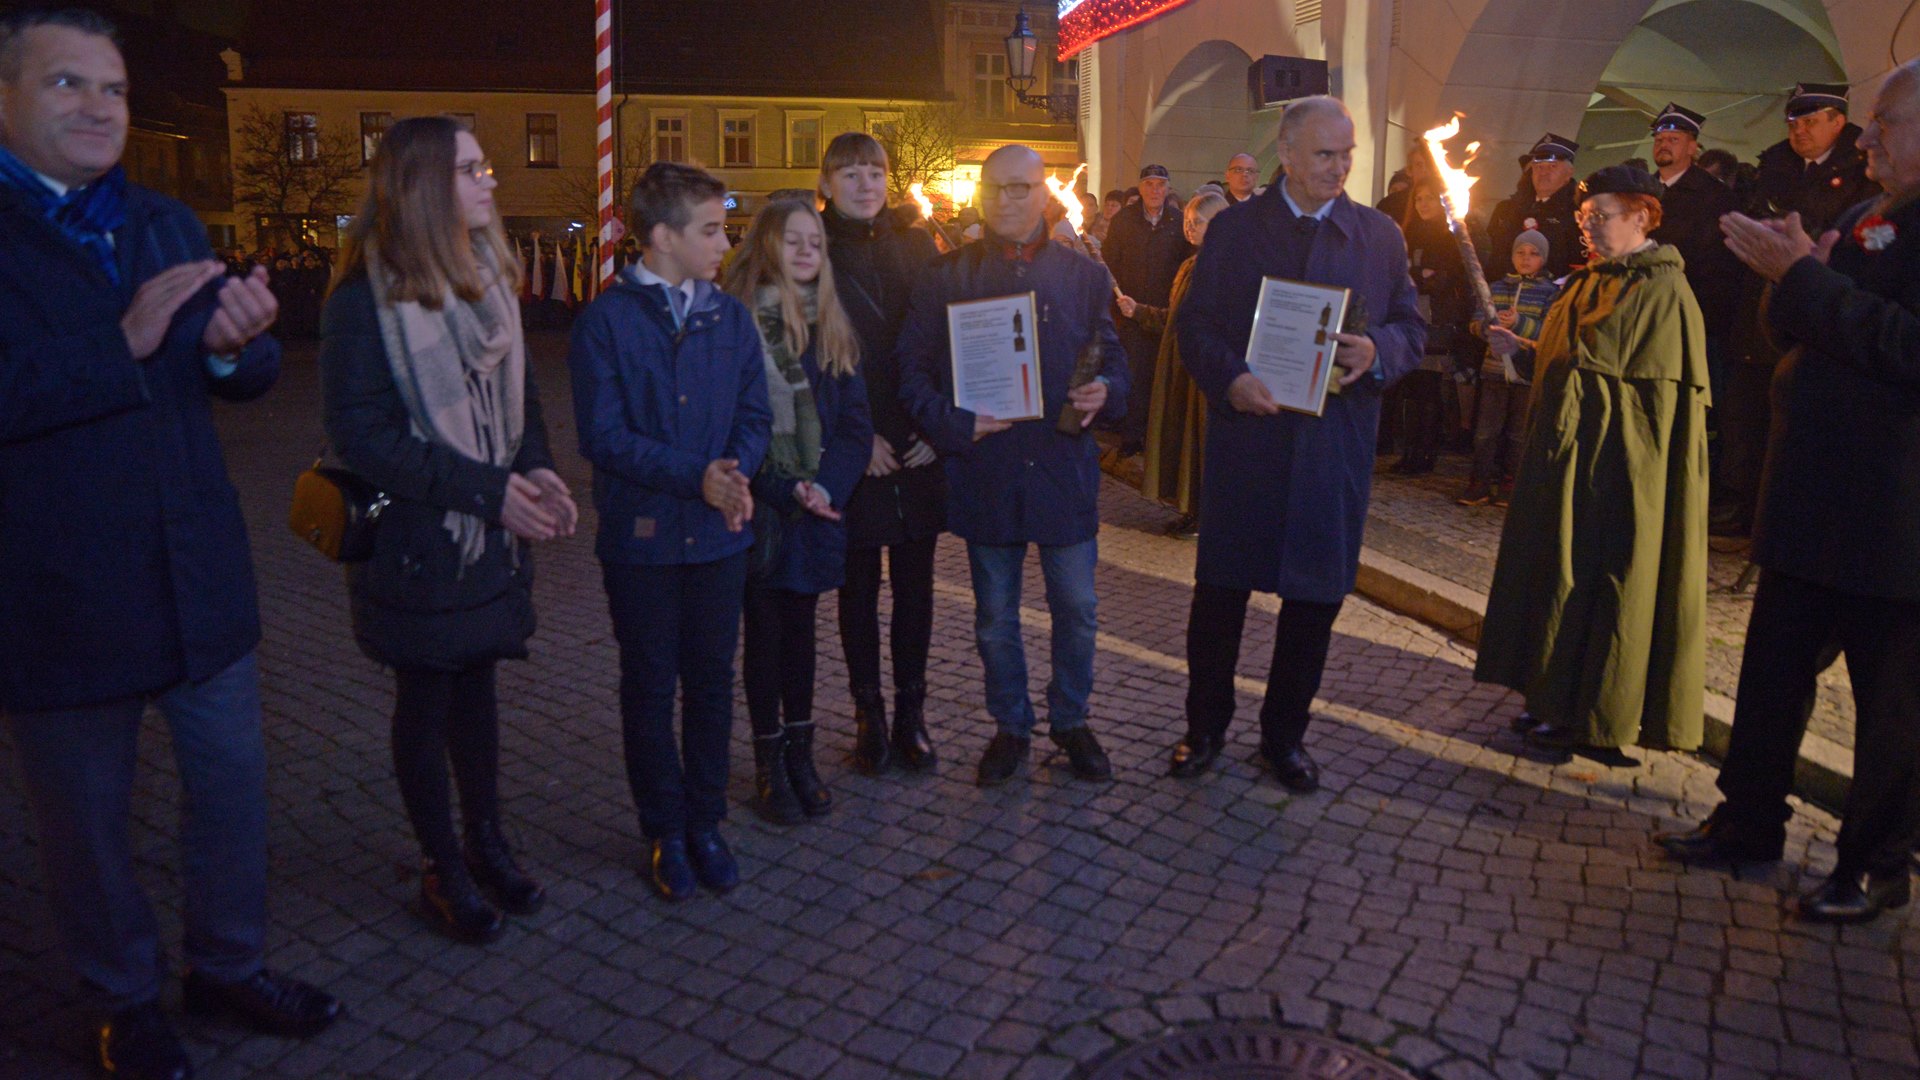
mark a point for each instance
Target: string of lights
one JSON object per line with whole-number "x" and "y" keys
{"x": 1083, "y": 22}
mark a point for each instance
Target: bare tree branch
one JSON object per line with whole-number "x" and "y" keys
{"x": 270, "y": 181}
{"x": 925, "y": 145}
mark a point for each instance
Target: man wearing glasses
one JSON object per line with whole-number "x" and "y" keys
{"x": 1544, "y": 202}
{"x": 1243, "y": 175}
{"x": 1015, "y": 484}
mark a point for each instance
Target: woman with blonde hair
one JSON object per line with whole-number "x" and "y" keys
{"x": 821, "y": 444}
{"x": 428, "y": 397}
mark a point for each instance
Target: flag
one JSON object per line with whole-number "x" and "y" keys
{"x": 562, "y": 277}
{"x": 538, "y": 290}
{"x": 520, "y": 254}
{"x": 579, "y": 283}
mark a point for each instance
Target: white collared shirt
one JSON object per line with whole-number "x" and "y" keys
{"x": 645, "y": 276}
{"x": 1318, "y": 215}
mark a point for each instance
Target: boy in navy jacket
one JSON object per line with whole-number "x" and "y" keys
{"x": 670, "y": 392}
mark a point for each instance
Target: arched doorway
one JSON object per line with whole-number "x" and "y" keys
{"x": 1200, "y": 118}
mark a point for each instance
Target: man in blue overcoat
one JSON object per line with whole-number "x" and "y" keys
{"x": 1011, "y": 485}
{"x": 1285, "y": 494}
{"x": 124, "y": 573}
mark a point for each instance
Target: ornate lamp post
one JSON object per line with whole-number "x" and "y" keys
{"x": 1022, "y": 49}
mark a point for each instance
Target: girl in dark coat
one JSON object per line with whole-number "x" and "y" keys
{"x": 900, "y": 507}
{"x": 822, "y": 439}
{"x": 427, "y": 396}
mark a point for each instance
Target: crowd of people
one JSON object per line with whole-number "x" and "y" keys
{"x": 769, "y": 424}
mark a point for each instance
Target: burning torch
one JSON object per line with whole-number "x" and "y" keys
{"x": 940, "y": 233}
{"x": 1456, "y": 198}
{"x": 1087, "y": 367}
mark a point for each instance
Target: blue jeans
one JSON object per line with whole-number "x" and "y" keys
{"x": 77, "y": 767}
{"x": 1068, "y": 569}
{"x": 677, "y": 627}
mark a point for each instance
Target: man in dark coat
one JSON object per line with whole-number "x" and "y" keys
{"x": 126, "y": 578}
{"x": 1242, "y": 181}
{"x": 1013, "y": 485}
{"x": 1838, "y": 534}
{"x": 1545, "y": 202}
{"x": 1285, "y": 494}
{"x": 1818, "y": 172}
{"x": 1144, "y": 248}
{"x": 1691, "y": 204}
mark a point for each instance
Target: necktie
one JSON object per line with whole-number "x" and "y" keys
{"x": 677, "y": 303}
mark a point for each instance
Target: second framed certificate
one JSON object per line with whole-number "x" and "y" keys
{"x": 996, "y": 357}
{"x": 1291, "y": 348}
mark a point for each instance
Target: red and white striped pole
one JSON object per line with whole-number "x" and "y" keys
{"x": 603, "y": 97}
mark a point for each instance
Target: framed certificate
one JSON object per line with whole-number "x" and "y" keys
{"x": 1291, "y": 348}
{"x": 995, "y": 346}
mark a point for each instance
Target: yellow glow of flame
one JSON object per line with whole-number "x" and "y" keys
{"x": 1063, "y": 194}
{"x": 1458, "y": 186}
{"x": 918, "y": 191}
{"x": 963, "y": 189}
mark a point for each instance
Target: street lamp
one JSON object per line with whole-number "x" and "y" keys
{"x": 1022, "y": 49}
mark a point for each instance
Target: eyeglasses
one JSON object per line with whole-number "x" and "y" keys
{"x": 1246, "y": 169}
{"x": 475, "y": 171}
{"x": 1016, "y": 192}
{"x": 1592, "y": 219}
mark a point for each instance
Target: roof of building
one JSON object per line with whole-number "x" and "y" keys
{"x": 887, "y": 49}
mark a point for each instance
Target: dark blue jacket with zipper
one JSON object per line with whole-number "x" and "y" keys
{"x": 655, "y": 406}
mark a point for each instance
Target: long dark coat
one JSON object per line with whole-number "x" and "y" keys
{"x": 1597, "y": 611}
{"x": 1840, "y": 501}
{"x": 124, "y": 566}
{"x": 874, "y": 264}
{"x": 812, "y": 552}
{"x": 1690, "y": 214}
{"x": 1284, "y": 499}
{"x": 413, "y": 604}
{"x": 1552, "y": 217}
{"x": 1819, "y": 193}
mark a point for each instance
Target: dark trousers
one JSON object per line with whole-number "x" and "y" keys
{"x": 910, "y": 570}
{"x": 1143, "y": 352}
{"x": 77, "y": 768}
{"x": 1424, "y": 413}
{"x": 1499, "y": 431}
{"x": 440, "y": 716}
{"x": 677, "y": 627}
{"x": 777, "y": 661}
{"x": 1790, "y": 638}
{"x": 1300, "y": 642}
{"x": 1745, "y": 415}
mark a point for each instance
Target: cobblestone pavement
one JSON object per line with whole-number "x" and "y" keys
{"x": 1415, "y": 520}
{"x": 1461, "y": 909}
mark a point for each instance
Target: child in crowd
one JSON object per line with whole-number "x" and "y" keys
{"x": 670, "y": 393}
{"x": 1520, "y": 302}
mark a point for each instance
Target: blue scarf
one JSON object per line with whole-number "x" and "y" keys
{"x": 86, "y": 215}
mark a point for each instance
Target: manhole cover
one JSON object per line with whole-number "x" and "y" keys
{"x": 1246, "y": 1051}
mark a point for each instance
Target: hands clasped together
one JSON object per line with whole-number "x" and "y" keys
{"x": 246, "y": 308}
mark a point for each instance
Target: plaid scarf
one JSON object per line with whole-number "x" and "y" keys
{"x": 85, "y": 215}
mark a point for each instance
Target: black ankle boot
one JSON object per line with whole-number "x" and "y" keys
{"x": 451, "y": 902}
{"x": 491, "y": 863}
{"x": 871, "y": 754}
{"x": 911, "y": 746}
{"x": 773, "y": 797}
{"x": 808, "y": 788}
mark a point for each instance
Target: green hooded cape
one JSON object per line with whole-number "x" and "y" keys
{"x": 1598, "y": 607}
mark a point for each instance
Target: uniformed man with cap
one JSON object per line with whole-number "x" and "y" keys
{"x": 1817, "y": 172}
{"x": 1690, "y": 207}
{"x": 1545, "y": 201}
{"x": 1144, "y": 248}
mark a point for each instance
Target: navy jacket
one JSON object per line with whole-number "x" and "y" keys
{"x": 1840, "y": 502}
{"x": 655, "y": 406}
{"x": 124, "y": 566}
{"x": 812, "y": 556}
{"x": 414, "y": 605}
{"x": 1284, "y": 499}
{"x": 1030, "y": 484}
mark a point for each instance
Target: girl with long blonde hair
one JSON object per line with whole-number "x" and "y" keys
{"x": 821, "y": 443}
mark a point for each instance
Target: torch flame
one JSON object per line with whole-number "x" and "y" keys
{"x": 1063, "y": 194}
{"x": 918, "y": 191}
{"x": 1457, "y": 185}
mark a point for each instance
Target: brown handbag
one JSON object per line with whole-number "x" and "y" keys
{"x": 336, "y": 511}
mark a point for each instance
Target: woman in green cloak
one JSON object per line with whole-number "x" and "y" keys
{"x": 1598, "y": 605}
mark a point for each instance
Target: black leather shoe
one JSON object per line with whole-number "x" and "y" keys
{"x": 1194, "y": 755}
{"x": 1722, "y": 838}
{"x": 137, "y": 1043}
{"x": 872, "y": 753}
{"x": 1854, "y": 898}
{"x": 811, "y": 791}
{"x": 911, "y": 745}
{"x": 713, "y": 864}
{"x": 1084, "y": 755}
{"x": 453, "y": 905}
{"x": 671, "y": 872}
{"x": 1523, "y": 723}
{"x": 773, "y": 797}
{"x": 1002, "y": 759}
{"x": 269, "y": 1003}
{"x": 491, "y": 863}
{"x": 1295, "y": 770}
{"x": 1186, "y": 528}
